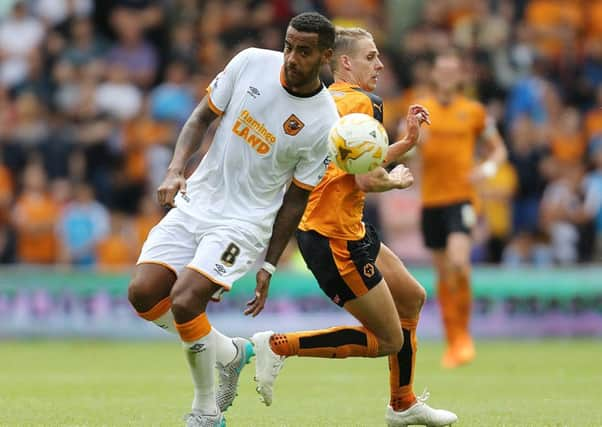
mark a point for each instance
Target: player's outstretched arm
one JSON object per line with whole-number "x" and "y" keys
{"x": 417, "y": 115}
{"x": 379, "y": 180}
{"x": 188, "y": 142}
{"x": 286, "y": 222}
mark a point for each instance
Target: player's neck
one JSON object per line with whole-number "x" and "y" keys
{"x": 346, "y": 78}
{"x": 306, "y": 90}
{"x": 445, "y": 97}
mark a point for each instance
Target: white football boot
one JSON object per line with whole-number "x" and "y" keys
{"x": 420, "y": 414}
{"x": 267, "y": 365}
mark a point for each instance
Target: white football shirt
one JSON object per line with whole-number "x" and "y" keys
{"x": 266, "y": 139}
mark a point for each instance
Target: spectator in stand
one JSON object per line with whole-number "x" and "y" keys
{"x": 20, "y": 35}
{"x": 567, "y": 139}
{"x": 560, "y": 204}
{"x": 144, "y": 139}
{"x": 83, "y": 223}
{"x": 526, "y": 96}
{"x": 54, "y": 13}
{"x": 114, "y": 251}
{"x": 118, "y": 96}
{"x": 93, "y": 133}
{"x": 526, "y": 153}
{"x": 30, "y": 129}
{"x": 184, "y": 46}
{"x": 555, "y": 24}
{"x": 132, "y": 51}
{"x": 149, "y": 214}
{"x": 496, "y": 194}
{"x": 173, "y": 99}
{"x": 85, "y": 46}
{"x": 35, "y": 217}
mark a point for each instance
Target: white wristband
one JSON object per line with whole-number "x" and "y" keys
{"x": 270, "y": 268}
{"x": 489, "y": 168}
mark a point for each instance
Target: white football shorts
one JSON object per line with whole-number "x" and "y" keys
{"x": 222, "y": 253}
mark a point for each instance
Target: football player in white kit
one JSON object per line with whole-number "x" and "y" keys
{"x": 248, "y": 194}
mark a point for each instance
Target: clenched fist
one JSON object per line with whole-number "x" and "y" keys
{"x": 401, "y": 177}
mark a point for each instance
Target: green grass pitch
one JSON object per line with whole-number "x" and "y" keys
{"x": 512, "y": 384}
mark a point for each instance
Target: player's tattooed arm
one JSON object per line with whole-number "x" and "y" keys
{"x": 188, "y": 143}
{"x": 286, "y": 222}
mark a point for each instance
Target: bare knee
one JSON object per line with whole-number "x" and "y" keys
{"x": 141, "y": 295}
{"x": 150, "y": 284}
{"x": 181, "y": 302}
{"x": 410, "y": 307}
{"x": 187, "y": 302}
{"x": 420, "y": 298}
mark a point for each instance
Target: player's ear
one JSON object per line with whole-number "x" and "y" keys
{"x": 345, "y": 61}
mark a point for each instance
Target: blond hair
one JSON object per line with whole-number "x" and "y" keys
{"x": 345, "y": 43}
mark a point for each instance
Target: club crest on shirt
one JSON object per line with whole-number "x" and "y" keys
{"x": 292, "y": 126}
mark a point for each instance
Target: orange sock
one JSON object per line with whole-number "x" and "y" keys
{"x": 194, "y": 329}
{"x": 338, "y": 343}
{"x": 449, "y": 311}
{"x": 401, "y": 368}
{"x": 464, "y": 305}
{"x": 157, "y": 311}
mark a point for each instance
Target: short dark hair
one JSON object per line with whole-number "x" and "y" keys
{"x": 313, "y": 22}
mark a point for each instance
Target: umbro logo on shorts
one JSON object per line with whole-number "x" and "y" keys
{"x": 220, "y": 269}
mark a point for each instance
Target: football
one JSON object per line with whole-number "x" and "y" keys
{"x": 358, "y": 143}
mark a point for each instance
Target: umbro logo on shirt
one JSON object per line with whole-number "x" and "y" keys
{"x": 253, "y": 91}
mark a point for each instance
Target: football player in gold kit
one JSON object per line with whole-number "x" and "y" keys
{"x": 351, "y": 265}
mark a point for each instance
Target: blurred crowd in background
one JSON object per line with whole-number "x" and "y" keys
{"x": 93, "y": 94}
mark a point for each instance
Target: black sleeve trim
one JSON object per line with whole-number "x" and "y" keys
{"x": 377, "y": 104}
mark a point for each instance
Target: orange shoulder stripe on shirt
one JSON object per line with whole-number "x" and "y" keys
{"x": 212, "y": 106}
